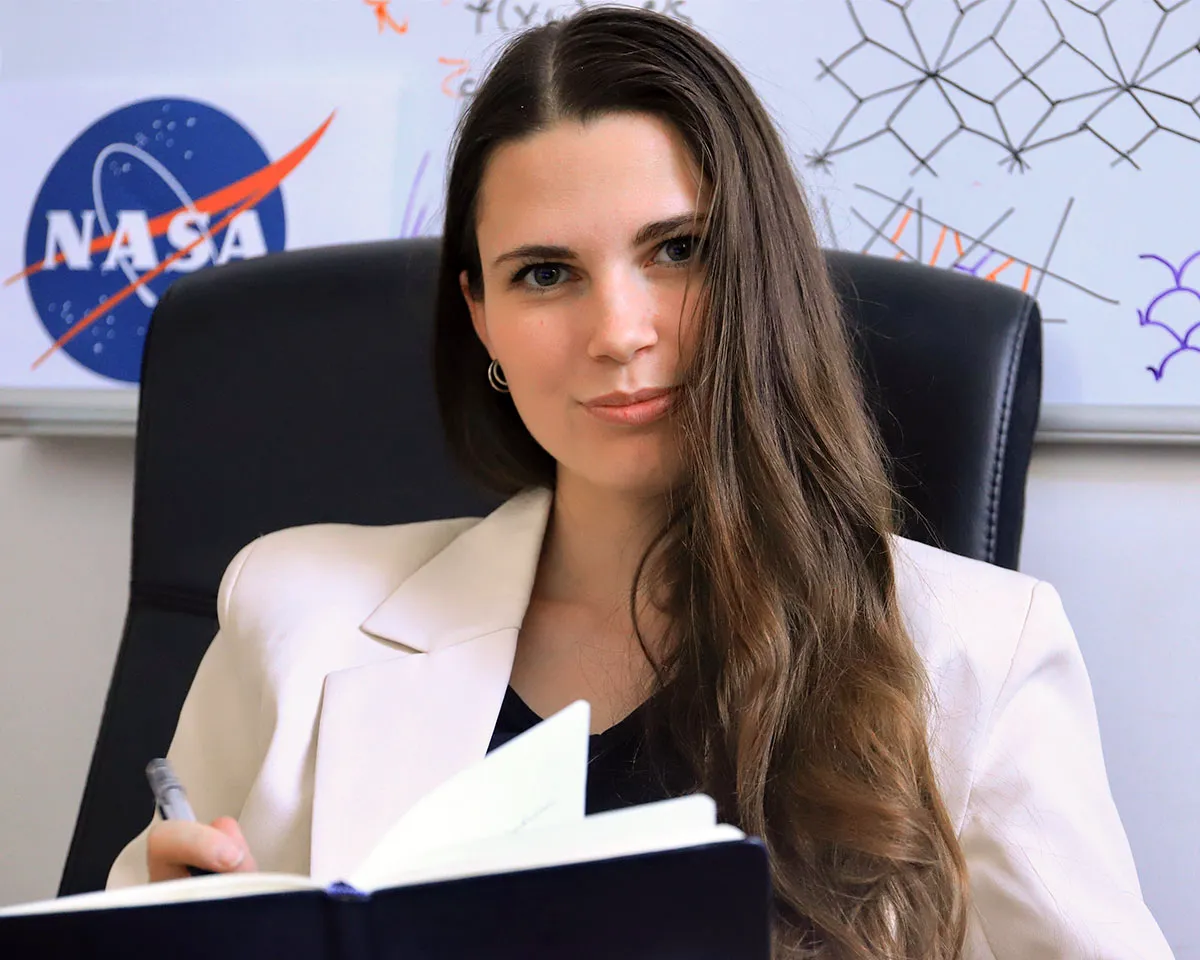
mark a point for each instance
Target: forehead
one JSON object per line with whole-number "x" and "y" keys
{"x": 600, "y": 179}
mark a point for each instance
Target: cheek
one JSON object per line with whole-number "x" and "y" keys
{"x": 540, "y": 382}
{"x": 536, "y": 350}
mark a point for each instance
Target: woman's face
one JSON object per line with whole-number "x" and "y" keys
{"x": 586, "y": 235}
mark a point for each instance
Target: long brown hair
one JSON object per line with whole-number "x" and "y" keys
{"x": 793, "y": 689}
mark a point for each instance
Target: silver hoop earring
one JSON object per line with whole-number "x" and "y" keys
{"x": 496, "y": 377}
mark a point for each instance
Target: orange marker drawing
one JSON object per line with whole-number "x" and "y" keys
{"x": 463, "y": 67}
{"x": 1000, "y": 269}
{"x": 383, "y": 18}
{"x": 937, "y": 250}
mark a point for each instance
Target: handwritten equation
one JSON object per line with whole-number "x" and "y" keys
{"x": 506, "y": 16}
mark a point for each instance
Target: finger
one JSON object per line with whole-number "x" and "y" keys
{"x": 157, "y": 866}
{"x": 232, "y": 829}
{"x": 174, "y": 845}
{"x": 164, "y": 857}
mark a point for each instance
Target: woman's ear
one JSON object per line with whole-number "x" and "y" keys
{"x": 478, "y": 317}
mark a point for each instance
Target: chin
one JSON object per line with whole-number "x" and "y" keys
{"x": 642, "y": 466}
{"x": 642, "y": 476}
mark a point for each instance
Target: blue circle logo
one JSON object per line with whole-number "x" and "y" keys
{"x": 154, "y": 190}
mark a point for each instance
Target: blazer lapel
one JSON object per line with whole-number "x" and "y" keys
{"x": 392, "y": 729}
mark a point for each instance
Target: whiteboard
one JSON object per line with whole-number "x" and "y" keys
{"x": 1045, "y": 144}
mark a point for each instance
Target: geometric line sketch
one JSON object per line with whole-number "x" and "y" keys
{"x": 1183, "y": 341}
{"x": 916, "y": 231}
{"x": 1021, "y": 76}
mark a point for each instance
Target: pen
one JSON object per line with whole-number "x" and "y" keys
{"x": 171, "y": 798}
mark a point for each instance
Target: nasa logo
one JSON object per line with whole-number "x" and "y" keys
{"x": 153, "y": 190}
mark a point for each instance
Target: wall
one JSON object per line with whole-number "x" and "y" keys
{"x": 1115, "y": 529}
{"x": 64, "y": 568}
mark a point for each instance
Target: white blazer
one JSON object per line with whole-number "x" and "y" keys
{"x": 357, "y": 667}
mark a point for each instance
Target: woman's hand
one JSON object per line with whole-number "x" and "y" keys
{"x": 174, "y": 845}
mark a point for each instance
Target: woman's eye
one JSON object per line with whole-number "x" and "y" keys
{"x": 678, "y": 250}
{"x": 542, "y": 276}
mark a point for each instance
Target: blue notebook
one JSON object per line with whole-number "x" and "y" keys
{"x": 497, "y": 862}
{"x": 701, "y": 903}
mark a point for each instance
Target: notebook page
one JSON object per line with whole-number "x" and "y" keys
{"x": 220, "y": 886}
{"x": 536, "y": 779}
{"x": 666, "y": 825}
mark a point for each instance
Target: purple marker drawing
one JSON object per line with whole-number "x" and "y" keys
{"x": 1183, "y": 341}
{"x": 410, "y": 226}
{"x": 974, "y": 271}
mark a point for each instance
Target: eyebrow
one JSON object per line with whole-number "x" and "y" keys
{"x": 659, "y": 229}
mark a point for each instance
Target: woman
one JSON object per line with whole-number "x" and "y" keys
{"x": 636, "y": 338}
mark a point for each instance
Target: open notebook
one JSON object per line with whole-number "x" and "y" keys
{"x": 520, "y": 808}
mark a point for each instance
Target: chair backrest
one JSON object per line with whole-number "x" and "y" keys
{"x": 296, "y": 389}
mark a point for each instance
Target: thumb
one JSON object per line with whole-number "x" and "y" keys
{"x": 231, "y": 829}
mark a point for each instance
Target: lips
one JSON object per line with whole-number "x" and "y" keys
{"x": 619, "y": 398}
{"x": 632, "y": 409}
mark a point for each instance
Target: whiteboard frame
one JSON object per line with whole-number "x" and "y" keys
{"x": 1085, "y": 423}
{"x": 113, "y": 413}
{"x": 68, "y": 413}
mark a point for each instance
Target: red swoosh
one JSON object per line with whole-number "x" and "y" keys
{"x": 261, "y": 181}
{"x": 246, "y": 193}
{"x": 89, "y": 318}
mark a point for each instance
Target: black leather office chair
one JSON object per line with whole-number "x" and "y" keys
{"x": 264, "y": 380}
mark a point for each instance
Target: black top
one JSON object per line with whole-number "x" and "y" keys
{"x": 620, "y": 773}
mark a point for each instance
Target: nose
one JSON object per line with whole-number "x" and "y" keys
{"x": 625, "y": 314}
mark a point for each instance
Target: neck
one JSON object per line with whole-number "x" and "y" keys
{"x": 595, "y": 540}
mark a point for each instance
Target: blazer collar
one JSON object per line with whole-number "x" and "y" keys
{"x": 478, "y": 584}
{"x": 392, "y": 728}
